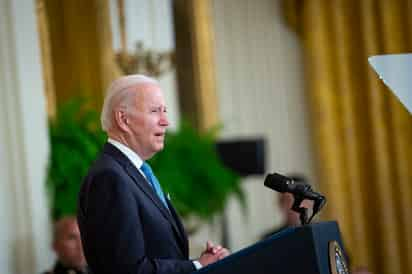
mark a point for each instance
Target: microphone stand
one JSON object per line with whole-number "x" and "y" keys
{"x": 303, "y": 212}
{"x": 298, "y": 199}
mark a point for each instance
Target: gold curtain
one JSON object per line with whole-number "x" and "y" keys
{"x": 43, "y": 29}
{"x": 80, "y": 42}
{"x": 195, "y": 62}
{"x": 363, "y": 135}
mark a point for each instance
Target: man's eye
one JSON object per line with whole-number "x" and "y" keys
{"x": 158, "y": 110}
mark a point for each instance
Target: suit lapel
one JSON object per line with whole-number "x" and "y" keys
{"x": 148, "y": 190}
{"x": 182, "y": 231}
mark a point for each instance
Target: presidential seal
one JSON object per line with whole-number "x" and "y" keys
{"x": 337, "y": 260}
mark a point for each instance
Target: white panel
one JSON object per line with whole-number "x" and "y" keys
{"x": 24, "y": 143}
{"x": 168, "y": 84}
{"x": 151, "y": 22}
{"x": 138, "y": 23}
{"x": 7, "y": 235}
{"x": 162, "y": 18}
{"x": 395, "y": 71}
{"x": 260, "y": 91}
{"x": 115, "y": 24}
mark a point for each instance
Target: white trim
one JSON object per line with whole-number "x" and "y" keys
{"x": 25, "y": 142}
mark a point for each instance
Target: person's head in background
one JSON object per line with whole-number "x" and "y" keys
{"x": 286, "y": 200}
{"x": 67, "y": 243}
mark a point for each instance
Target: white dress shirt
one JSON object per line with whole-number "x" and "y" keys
{"x": 130, "y": 154}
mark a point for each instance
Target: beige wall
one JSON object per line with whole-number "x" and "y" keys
{"x": 260, "y": 91}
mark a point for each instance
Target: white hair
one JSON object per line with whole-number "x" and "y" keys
{"x": 119, "y": 94}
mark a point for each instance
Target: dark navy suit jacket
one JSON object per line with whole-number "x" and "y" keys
{"x": 125, "y": 228}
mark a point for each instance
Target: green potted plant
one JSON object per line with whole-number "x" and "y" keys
{"x": 75, "y": 139}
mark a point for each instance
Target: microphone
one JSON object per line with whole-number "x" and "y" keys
{"x": 299, "y": 189}
{"x": 281, "y": 183}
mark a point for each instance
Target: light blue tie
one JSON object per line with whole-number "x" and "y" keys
{"x": 147, "y": 171}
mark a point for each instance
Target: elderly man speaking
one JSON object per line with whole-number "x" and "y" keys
{"x": 127, "y": 224}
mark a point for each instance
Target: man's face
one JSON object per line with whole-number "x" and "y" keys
{"x": 68, "y": 246}
{"x": 147, "y": 121}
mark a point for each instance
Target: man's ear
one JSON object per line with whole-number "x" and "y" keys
{"x": 120, "y": 118}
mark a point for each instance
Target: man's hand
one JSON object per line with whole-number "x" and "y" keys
{"x": 212, "y": 254}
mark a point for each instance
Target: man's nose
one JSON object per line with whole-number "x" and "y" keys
{"x": 163, "y": 120}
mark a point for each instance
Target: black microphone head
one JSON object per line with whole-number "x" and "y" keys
{"x": 278, "y": 182}
{"x": 283, "y": 184}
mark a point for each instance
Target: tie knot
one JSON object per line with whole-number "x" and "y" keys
{"x": 151, "y": 178}
{"x": 147, "y": 170}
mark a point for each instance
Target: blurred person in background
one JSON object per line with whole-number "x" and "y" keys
{"x": 68, "y": 248}
{"x": 285, "y": 202}
{"x": 289, "y": 217}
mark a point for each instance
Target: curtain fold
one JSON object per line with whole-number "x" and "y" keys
{"x": 80, "y": 41}
{"x": 193, "y": 26}
{"x": 45, "y": 47}
{"x": 362, "y": 133}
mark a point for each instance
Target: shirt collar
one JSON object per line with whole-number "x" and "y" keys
{"x": 130, "y": 154}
